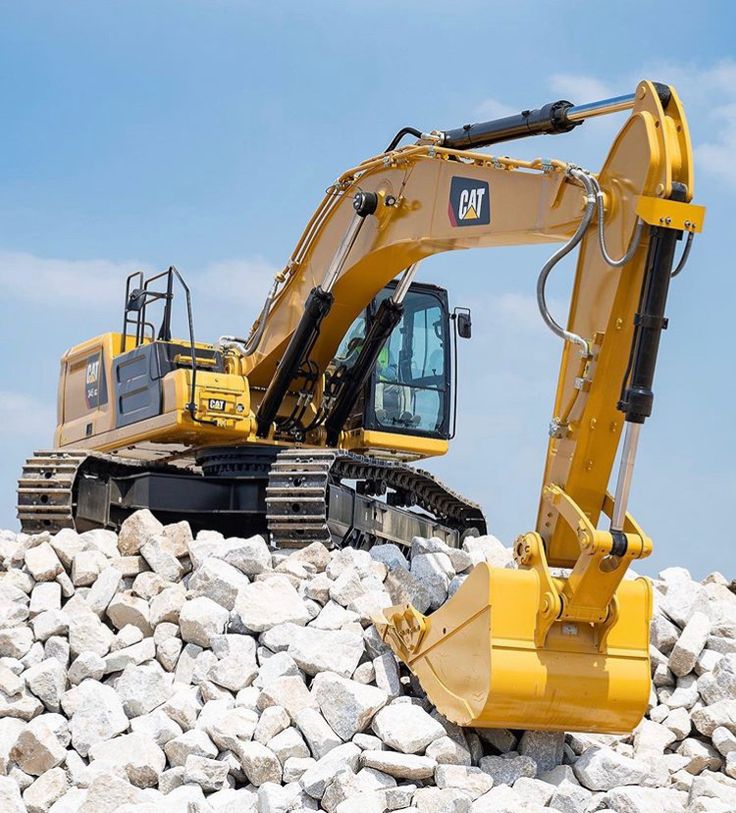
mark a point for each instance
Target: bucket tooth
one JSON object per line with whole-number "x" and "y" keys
{"x": 477, "y": 659}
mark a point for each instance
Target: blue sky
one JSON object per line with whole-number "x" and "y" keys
{"x": 203, "y": 132}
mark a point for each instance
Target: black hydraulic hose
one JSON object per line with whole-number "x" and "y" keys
{"x": 404, "y": 131}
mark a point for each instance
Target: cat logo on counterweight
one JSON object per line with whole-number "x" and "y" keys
{"x": 470, "y": 202}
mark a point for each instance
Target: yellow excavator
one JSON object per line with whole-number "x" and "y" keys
{"x": 305, "y": 429}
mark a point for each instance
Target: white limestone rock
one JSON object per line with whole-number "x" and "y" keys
{"x": 472, "y": 781}
{"x": 406, "y": 727}
{"x": 96, "y": 715}
{"x": 201, "y": 619}
{"x": 265, "y": 604}
{"x": 272, "y": 721}
{"x": 290, "y": 692}
{"x": 604, "y": 769}
{"x": 125, "y": 608}
{"x": 157, "y": 552}
{"x": 47, "y": 680}
{"x": 136, "y": 530}
{"x": 260, "y": 764}
{"x": 10, "y": 798}
{"x": 209, "y": 774}
{"x": 250, "y": 556}
{"x": 43, "y": 563}
{"x": 219, "y": 581}
{"x": 139, "y": 755}
{"x": 142, "y": 688}
{"x": 47, "y": 789}
{"x": 315, "y": 650}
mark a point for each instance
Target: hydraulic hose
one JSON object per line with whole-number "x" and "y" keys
{"x": 590, "y": 201}
{"x": 635, "y": 240}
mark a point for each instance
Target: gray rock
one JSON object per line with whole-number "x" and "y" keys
{"x": 447, "y": 751}
{"x": 690, "y": 644}
{"x": 405, "y": 588}
{"x": 391, "y": 555}
{"x": 314, "y": 781}
{"x": 434, "y": 571}
{"x": 317, "y": 732}
{"x": 47, "y": 680}
{"x": 400, "y": 766}
{"x": 347, "y": 706}
{"x": 506, "y": 770}
{"x": 546, "y": 748}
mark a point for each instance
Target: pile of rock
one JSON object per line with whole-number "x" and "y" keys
{"x": 151, "y": 671}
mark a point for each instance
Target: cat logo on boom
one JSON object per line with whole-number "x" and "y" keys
{"x": 470, "y": 203}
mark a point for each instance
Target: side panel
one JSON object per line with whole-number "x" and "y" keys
{"x": 136, "y": 385}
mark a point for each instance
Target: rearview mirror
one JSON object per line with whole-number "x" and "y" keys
{"x": 463, "y": 322}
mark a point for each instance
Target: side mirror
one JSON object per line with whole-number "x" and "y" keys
{"x": 463, "y": 322}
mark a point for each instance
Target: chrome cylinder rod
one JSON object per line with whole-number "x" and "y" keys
{"x": 338, "y": 260}
{"x": 402, "y": 287}
{"x": 580, "y": 112}
{"x": 625, "y": 474}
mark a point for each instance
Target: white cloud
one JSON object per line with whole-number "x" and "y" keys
{"x": 69, "y": 283}
{"x": 72, "y": 284}
{"x": 26, "y": 416}
{"x": 241, "y": 281}
{"x": 494, "y": 109}
{"x": 580, "y": 89}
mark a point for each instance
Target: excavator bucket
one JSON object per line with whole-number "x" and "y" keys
{"x": 479, "y": 659}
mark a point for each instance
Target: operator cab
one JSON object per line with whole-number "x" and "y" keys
{"x": 410, "y": 390}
